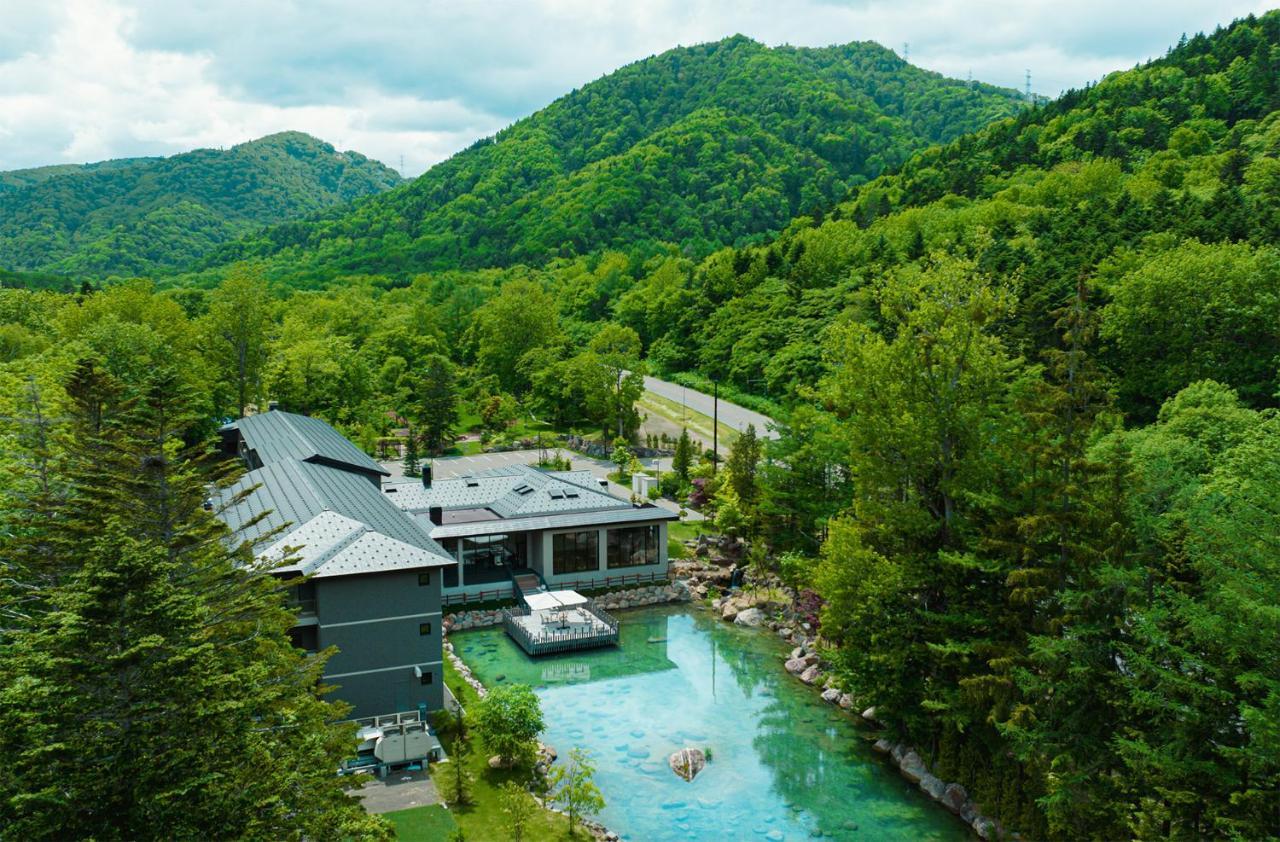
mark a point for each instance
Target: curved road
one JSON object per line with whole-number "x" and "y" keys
{"x": 731, "y": 414}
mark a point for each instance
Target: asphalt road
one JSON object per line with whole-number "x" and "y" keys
{"x": 731, "y": 414}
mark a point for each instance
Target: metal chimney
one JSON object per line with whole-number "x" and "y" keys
{"x": 426, "y": 476}
{"x": 436, "y": 515}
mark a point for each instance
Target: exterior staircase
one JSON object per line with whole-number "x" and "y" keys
{"x": 526, "y": 581}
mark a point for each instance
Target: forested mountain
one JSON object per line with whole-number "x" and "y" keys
{"x": 1160, "y": 186}
{"x": 1028, "y": 474}
{"x": 139, "y": 215}
{"x": 702, "y": 146}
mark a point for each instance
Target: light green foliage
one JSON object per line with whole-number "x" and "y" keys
{"x": 521, "y": 318}
{"x": 238, "y": 326}
{"x": 572, "y": 787}
{"x": 519, "y": 807}
{"x": 622, "y": 455}
{"x": 1197, "y": 311}
{"x": 703, "y": 146}
{"x": 615, "y": 350}
{"x": 509, "y": 720}
{"x": 137, "y": 215}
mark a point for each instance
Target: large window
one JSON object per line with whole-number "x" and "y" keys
{"x": 633, "y": 547}
{"x": 574, "y": 552}
{"x": 489, "y": 558}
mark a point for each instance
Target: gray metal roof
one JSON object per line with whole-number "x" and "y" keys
{"x": 294, "y": 492}
{"x": 515, "y": 491}
{"x": 331, "y": 544}
{"x": 275, "y": 436}
{"x": 567, "y": 520}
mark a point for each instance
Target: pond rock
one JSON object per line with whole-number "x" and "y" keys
{"x": 687, "y": 762}
{"x": 954, "y": 798}
{"x": 751, "y": 617}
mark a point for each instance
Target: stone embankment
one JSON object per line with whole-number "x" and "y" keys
{"x": 613, "y": 601}
{"x": 772, "y": 607}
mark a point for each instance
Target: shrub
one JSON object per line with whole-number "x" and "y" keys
{"x": 509, "y": 721}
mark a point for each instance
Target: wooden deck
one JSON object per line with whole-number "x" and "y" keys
{"x": 540, "y": 633}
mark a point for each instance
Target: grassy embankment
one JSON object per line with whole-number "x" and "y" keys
{"x": 483, "y": 819}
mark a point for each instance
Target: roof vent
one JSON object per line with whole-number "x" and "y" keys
{"x": 522, "y": 490}
{"x": 556, "y": 494}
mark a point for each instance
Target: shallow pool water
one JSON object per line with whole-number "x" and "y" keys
{"x": 784, "y": 764}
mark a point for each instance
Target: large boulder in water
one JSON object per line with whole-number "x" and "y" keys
{"x": 752, "y": 617}
{"x": 687, "y": 762}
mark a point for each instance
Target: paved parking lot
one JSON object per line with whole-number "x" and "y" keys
{"x": 397, "y": 791}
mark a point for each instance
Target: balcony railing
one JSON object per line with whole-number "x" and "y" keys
{"x": 603, "y": 632}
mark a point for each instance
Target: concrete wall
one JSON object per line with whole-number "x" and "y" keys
{"x": 374, "y": 622}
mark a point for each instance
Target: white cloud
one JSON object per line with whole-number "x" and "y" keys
{"x": 89, "y": 79}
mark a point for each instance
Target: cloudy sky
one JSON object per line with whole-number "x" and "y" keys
{"x": 85, "y": 80}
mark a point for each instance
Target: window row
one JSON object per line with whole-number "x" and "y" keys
{"x": 578, "y": 552}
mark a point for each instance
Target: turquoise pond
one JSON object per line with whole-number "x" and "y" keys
{"x": 784, "y": 764}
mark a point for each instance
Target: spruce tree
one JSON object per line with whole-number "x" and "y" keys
{"x": 682, "y": 459}
{"x": 159, "y": 697}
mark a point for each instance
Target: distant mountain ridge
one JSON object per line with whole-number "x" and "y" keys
{"x": 705, "y": 146}
{"x": 140, "y": 215}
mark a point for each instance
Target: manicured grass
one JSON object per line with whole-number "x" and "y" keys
{"x": 432, "y": 823}
{"x": 466, "y": 448}
{"x": 677, "y": 549}
{"x": 483, "y": 819}
{"x": 687, "y": 530}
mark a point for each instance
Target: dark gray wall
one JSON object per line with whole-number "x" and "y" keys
{"x": 374, "y": 621}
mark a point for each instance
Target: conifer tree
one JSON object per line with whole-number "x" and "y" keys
{"x": 159, "y": 697}
{"x": 682, "y": 459}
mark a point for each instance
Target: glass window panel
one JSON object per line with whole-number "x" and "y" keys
{"x": 574, "y": 552}
{"x": 633, "y": 547}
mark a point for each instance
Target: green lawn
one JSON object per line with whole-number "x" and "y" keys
{"x": 483, "y": 819}
{"x": 423, "y": 824}
{"x": 687, "y": 530}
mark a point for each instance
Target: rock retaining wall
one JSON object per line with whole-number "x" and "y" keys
{"x": 614, "y": 601}
{"x": 806, "y": 663}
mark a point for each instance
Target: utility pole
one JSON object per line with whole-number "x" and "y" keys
{"x": 906, "y": 51}
{"x": 715, "y": 426}
{"x": 402, "y": 165}
{"x": 1028, "y": 85}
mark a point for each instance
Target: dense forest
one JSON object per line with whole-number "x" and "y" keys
{"x": 706, "y": 146}
{"x": 1027, "y": 379}
{"x": 144, "y": 215}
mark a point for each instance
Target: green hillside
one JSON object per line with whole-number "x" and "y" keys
{"x": 141, "y": 215}
{"x": 1165, "y": 171}
{"x": 702, "y": 146}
